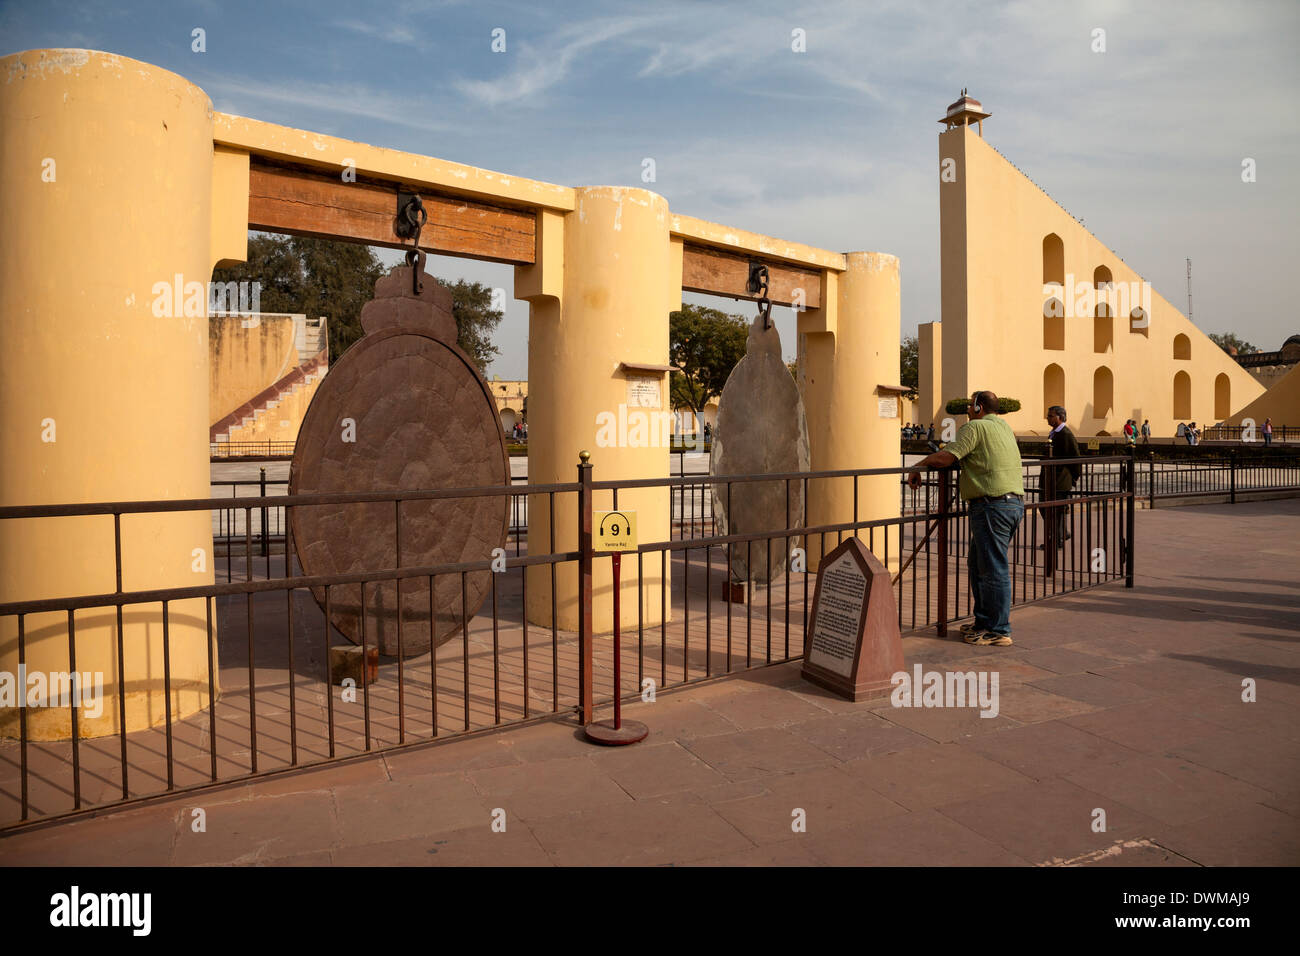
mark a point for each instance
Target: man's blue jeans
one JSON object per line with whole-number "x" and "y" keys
{"x": 992, "y": 524}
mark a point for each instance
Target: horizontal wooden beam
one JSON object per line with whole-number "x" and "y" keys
{"x": 304, "y": 202}
{"x": 714, "y": 272}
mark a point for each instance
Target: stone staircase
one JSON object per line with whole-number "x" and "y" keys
{"x": 268, "y": 399}
{"x": 310, "y": 338}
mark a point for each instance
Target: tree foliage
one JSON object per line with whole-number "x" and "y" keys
{"x": 312, "y": 276}
{"x": 1224, "y": 340}
{"x": 909, "y": 365}
{"x": 476, "y": 320}
{"x": 335, "y": 279}
{"x": 704, "y": 346}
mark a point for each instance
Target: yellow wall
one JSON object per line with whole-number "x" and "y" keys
{"x": 993, "y": 222}
{"x": 243, "y": 360}
{"x": 126, "y": 390}
{"x": 1280, "y": 403}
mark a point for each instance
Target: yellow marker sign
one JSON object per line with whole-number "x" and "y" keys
{"x": 1094, "y": 445}
{"x": 613, "y": 530}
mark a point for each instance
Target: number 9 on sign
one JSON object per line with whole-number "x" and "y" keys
{"x": 614, "y": 531}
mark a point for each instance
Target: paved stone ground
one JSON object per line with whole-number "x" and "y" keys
{"x": 1123, "y": 701}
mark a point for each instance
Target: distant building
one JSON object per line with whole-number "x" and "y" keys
{"x": 1268, "y": 368}
{"x": 511, "y": 399}
{"x": 1037, "y": 308}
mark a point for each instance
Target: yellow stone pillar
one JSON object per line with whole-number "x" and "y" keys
{"x": 106, "y": 202}
{"x": 594, "y": 337}
{"x": 849, "y": 349}
{"x": 930, "y": 401}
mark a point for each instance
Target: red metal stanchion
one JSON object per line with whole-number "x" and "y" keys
{"x": 616, "y": 732}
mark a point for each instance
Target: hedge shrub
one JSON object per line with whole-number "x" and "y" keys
{"x": 957, "y": 406}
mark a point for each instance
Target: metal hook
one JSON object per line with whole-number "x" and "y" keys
{"x": 756, "y": 284}
{"x": 411, "y": 217}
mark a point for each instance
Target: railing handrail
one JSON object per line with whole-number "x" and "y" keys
{"x": 114, "y": 598}
{"x": 331, "y": 498}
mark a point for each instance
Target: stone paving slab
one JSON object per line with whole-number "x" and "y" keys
{"x": 1125, "y": 701}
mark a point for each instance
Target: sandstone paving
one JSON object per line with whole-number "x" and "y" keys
{"x": 1127, "y": 701}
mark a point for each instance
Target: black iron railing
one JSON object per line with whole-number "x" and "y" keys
{"x": 270, "y": 700}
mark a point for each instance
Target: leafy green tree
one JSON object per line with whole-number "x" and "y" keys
{"x": 704, "y": 346}
{"x": 312, "y": 276}
{"x": 1224, "y": 340}
{"x": 476, "y": 320}
{"x": 909, "y": 358}
{"x": 336, "y": 279}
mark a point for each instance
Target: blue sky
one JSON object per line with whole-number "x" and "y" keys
{"x": 834, "y": 147}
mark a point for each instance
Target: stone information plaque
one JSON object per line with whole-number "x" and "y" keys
{"x": 854, "y": 647}
{"x": 643, "y": 391}
{"x": 841, "y": 606}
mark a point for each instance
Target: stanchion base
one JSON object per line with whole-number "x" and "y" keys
{"x": 603, "y": 732}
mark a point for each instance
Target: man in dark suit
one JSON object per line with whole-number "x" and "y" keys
{"x": 1058, "y": 480}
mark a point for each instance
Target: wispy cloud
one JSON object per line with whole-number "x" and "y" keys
{"x": 388, "y": 32}
{"x": 544, "y": 64}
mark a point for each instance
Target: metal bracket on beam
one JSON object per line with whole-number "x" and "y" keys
{"x": 407, "y": 225}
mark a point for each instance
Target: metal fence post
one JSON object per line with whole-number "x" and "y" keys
{"x": 585, "y": 690}
{"x": 1151, "y": 481}
{"x": 941, "y": 544}
{"x": 266, "y": 549}
{"x": 1232, "y": 475}
{"x": 1130, "y": 498}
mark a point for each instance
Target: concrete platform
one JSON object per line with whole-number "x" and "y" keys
{"x": 1123, "y": 701}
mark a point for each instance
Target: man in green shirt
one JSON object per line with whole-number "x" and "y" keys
{"x": 992, "y": 484}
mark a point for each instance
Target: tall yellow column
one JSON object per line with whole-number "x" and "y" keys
{"x": 609, "y": 312}
{"x": 848, "y": 352}
{"x": 930, "y": 400}
{"x": 106, "y": 202}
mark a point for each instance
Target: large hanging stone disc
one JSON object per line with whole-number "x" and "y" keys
{"x": 761, "y": 429}
{"x": 422, "y": 418}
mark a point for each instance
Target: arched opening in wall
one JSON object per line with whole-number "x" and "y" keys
{"x": 1053, "y": 260}
{"x": 1182, "y": 395}
{"x": 1053, "y": 386}
{"x": 508, "y": 419}
{"x": 1103, "y": 322}
{"x": 1103, "y": 392}
{"x": 1103, "y": 331}
{"x": 1139, "y": 323}
{"x": 1182, "y": 347}
{"x": 1054, "y": 332}
{"x": 1222, "y": 396}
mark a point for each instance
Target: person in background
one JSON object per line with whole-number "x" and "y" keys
{"x": 1060, "y": 478}
{"x": 1146, "y": 431}
{"x": 992, "y": 481}
{"x": 929, "y": 432}
{"x": 1193, "y": 436}
{"x": 1268, "y": 432}
{"x": 1130, "y": 431}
